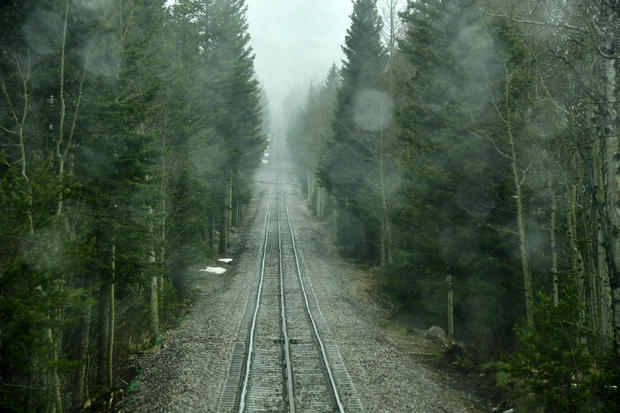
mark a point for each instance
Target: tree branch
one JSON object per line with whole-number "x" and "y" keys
{"x": 537, "y": 23}
{"x": 13, "y": 132}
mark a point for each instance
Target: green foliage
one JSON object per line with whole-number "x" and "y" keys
{"x": 151, "y": 112}
{"x": 311, "y": 129}
{"x": 554, "y": 364}
{"x": 34, "y": 255}
{"x": 355, "y": 165}
{"x": 133, "y": 387}
{"x": 502, "y": 118}
{"x": 455, "y": 190}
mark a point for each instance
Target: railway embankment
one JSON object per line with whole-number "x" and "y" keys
{"x": 190, "y": 370}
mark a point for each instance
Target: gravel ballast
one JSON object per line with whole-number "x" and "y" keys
{"x": 387, "y": 377}
{"x": 188, "y": 373}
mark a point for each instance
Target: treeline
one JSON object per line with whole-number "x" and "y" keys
{"x": 470, "y": 150}
{"x": 128, "y": 135}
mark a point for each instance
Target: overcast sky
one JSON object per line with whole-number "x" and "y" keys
{"x": 296, "y": 41}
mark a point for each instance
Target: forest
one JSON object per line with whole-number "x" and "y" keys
{"x": 468, "y": 151}
{"x": 129, "y": 134}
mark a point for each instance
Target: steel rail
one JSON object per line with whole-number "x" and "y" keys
{"x": 287, "y": 350}
{"x": 244, "y": 389}
{"x": 316, "y": 332}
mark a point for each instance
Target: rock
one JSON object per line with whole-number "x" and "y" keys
{"x": 436, "y": 332}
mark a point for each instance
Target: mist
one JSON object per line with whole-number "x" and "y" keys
{"x": 295, "y": 42}
{"x": 451, "y": 166}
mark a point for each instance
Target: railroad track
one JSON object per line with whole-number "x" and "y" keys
{"x": 280, "y": 361}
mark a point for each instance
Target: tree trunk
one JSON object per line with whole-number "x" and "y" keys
{"x": 386, "y": 236}
{"x": 33, "y": 376}
{"x": 20, "y": 122}
{"x": 554, "y": 249}
{"x": 104, "y": 333}
{"x": 55, "y": 344}
{"x": 611, "y": 66}
{"x": 599, "y": 200}
{"x": 577, "y": 265}
{"x": 589, "y": 228}
{"x": 222, "y": 239}
{"x": 110, "y": 349}
{"x": 309, "y": 188}
{"x": 227, "y": 217}
{"x": 112, "y": 321}
{"x": 154, "y": 307}
{"x": 212, "y": 236}
{"x": 450, "y": 306}
{"x": 604, "y": 286}
{"x": 229, "y": 190}
{"x": 163, "y": 195}
{"x": 607, "y": 158}
{"x": 391, "y": 21}
{"x": 237, "y": 212}
{"x": 335, "y": 214}
{"x": 525, "y": 258}
{"x": 615, "y": 282}
{"x": 80, "y": 377}
{"x": 319, "y": 201}
{"x": 152, "y": 260}
{"x": 61, "y": 126}
{"x": 161, "y": 277}
{"x": 62, "y": 156}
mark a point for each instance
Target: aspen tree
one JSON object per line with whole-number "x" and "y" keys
{"x": 610, "y": 62}
{"x": 19, "y": 118}
{"x": 518, "y": 178}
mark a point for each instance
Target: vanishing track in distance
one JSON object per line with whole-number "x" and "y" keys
{"x": 280, "y": 362}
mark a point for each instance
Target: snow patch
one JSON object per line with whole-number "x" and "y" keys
{"x": 225, "y": 260}
{"x": 265, "y": 161}
{"x": 214, "y": 270}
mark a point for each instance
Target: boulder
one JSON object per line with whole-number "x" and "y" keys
{"x": 436, "y": 332}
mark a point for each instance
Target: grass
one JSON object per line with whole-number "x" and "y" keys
{"x": 133, "y": 387}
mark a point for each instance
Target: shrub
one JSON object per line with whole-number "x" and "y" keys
{"x": 554, "y": 368}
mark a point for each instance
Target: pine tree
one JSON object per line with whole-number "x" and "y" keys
{"x": 109, "y": 131}
{"x": 354, "y": 158}
{"x": 456, "y": 193}
{"x": 309, "y": 138}
{"x": 235, "y": 104}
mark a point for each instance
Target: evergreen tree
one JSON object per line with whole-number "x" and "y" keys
{"x": 353, "y": 159}
{"x": 109, "y": 188}
{"x": 456, "y": 196}
{"x": 236, "y": 104}
{"x": 311, "y": 134}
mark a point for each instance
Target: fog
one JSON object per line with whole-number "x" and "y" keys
{"x": 295, "y": 42}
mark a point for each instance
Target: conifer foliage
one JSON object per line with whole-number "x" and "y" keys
{"x": 128, "y": 135}
{"x": 353, "y": 166}
{"x": 488, "y": 197}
